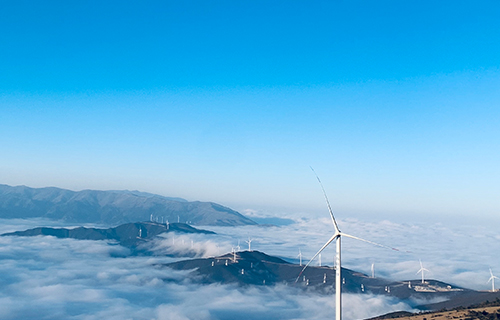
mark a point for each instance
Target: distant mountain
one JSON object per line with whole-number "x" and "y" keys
{"x": 258, "y": 268}
{"x": 130, "y": 235}
{"x": 148, "y": 195}
{"x": 111, "y": 207}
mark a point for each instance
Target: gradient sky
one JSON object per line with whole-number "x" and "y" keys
{"x": 394, "y": 103}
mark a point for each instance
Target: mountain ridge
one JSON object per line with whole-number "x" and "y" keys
{"x": 257, "y": 268}
{"x": 111, "y": 207}
{"x": 131, "y": 235}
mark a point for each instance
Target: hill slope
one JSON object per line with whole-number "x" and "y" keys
{"x": 258, "y": 268}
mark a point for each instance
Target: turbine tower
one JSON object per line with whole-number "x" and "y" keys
{"x": 373, "y": 270}
{"x": 422, "y": 269}
{"x": 492, "y": 279}
{"x": 337, "y": 235}
{"x": 300, "y": 259}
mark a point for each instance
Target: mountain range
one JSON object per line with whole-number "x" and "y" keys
{"x": 111, "y": 207}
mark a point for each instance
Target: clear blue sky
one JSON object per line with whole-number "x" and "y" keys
{"x": 394, "y": 103}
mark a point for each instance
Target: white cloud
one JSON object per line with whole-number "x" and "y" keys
{"x": 45, "y": 277}
{"x": 188, "y": 245}
{"x": 456, "y": 253}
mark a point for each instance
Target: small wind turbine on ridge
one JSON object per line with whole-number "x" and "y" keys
{"x": 300, "y": 258}
{"x": 422, "y": 269}
{"x": 249, "y": 241}
{"x": 234, "y": 254}
{"x": 338, "y": 267}
{"x": 492, "y": 279}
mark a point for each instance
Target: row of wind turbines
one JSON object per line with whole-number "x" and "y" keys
{"x": 158, "y": 220}
{"x": 421, "y": 270}
{"x": 337, "y": 236}
{"x": 238, "y": 248}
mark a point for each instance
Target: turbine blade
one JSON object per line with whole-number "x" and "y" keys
{"x": 335, "y": 236}
{"x": 371, "y": 242}
{"x": 327, "y": 202}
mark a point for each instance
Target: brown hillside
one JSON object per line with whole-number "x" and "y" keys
{"x": 483, "y": 313}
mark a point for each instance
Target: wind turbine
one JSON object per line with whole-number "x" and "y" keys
{"x": 422, "y": 269}
{"x": 300, "y": 259}
{"x": 249, "y": 241}
{"x": 492, "y": 279}
{"x": 373, "y": 270}
{"x": 234, "y": 254}
{"x": 338, "y": 267}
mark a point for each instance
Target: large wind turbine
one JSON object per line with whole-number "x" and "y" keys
{"x": 492, "y": 279}
{"x": 422, "y": 269}
{"x": 336, "y": 237}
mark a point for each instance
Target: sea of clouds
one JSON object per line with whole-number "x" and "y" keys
{"x": 456, "y": 252}
{"x": 50, "y": 278}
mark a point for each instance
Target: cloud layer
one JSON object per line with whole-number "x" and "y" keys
{"x": 457, "y": 253}
{"x": 49, "y": 278}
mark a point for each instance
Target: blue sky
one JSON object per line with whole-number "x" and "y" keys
{"x": 394, "y": 103}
